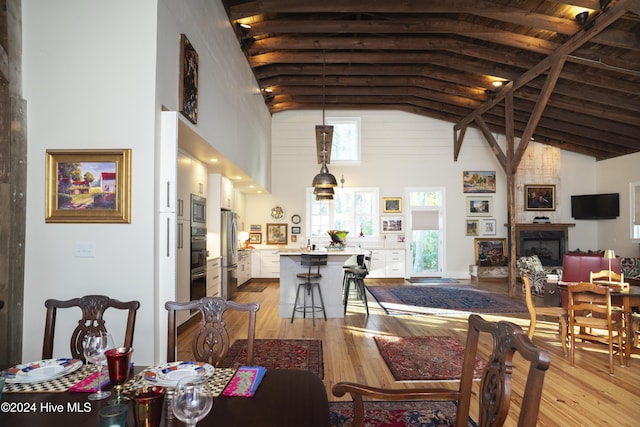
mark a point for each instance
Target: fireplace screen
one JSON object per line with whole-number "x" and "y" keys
{"x": 547, "y": 245}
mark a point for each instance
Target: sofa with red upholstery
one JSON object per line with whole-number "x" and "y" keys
{"x": 576, "y": 266}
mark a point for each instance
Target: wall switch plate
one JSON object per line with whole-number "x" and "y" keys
{"x": 85, "y": 250}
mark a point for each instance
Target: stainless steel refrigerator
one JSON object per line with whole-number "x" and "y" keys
{"x": 229, "y": 252}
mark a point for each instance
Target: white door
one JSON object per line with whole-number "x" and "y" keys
{"x": 426, "y": 231}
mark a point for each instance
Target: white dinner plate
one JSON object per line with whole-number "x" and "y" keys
{"x": 168, "y": 374}
{"x": 42, "y": 370}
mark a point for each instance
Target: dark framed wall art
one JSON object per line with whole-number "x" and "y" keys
{"x": 540, "y": 197}
{"x": 188, "y": 80}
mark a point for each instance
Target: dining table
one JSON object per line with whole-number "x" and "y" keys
{"x": 628, "y": 297}
{"x": 286, "y": 397}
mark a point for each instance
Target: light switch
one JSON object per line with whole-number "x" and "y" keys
{"x": 85, "y": 250}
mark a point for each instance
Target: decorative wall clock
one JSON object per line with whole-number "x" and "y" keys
{"x": 277, "y": 213}
{"x": 295, "y": 219}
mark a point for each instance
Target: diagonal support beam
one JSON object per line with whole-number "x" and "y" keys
{"x": 497, "y": 151}
{"x": 536, "y": 114}
{"x": 458, "y": 136}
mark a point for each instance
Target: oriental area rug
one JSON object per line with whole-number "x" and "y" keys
{"x": 278, "y": 354}
{"x": 422, "y": 358}
{"x": 442, "y": 300}
{"x": 401, "y": 413}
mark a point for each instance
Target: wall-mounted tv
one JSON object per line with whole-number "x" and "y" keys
{"x": 595, "y": 206}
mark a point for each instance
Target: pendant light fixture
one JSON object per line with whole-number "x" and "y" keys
{"x": 324, "y": 180}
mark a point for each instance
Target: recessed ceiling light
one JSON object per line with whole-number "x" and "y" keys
{"x": 252, "y": 186}
{"x": 238, "y": 177}
{"x": 247, "y": 26}
{"x": 497, "y": 83}
{"x": 213, "y": 160}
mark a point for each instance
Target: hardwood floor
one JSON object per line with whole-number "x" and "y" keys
{"x": 585, "y": 395}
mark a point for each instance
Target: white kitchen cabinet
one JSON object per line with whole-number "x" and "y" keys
{"x": 213, "y": 277}
{"x": 244, "y": 267}
{"x": 183, "y": 267}
{"x": 387, "y": 263}
{"x": 256, "y": 263}
{"x": 270, "y": 264}
{"x": 221, "y": 191}
{"x": 394, "y": 263}
{"x": 183, "y": 206}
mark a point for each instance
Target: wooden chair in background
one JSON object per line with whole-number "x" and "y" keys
{"x": 211, "y": 340}
{"x": 607, "y": 275}
{"x": 495, "y": 387}
{"x": 93, "y": 308}
{"x": 590, "y": 310}
{"x": 534, "y": 311}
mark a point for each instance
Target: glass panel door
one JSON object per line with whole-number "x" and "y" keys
{"x": 426, "y": 232}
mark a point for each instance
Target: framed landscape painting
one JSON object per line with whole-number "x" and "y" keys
{"x": 392, "y": 204}
{"x": 255, "y": 238}
{"x": 540, "y": 197}
{"x": 479, "y": 181}
{"x": 88, "y": 186}
{"x": 489, "y": 251}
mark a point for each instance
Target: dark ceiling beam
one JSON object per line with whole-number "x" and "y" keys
{"x": 480, "y": 8}
{"x": 427, "y": 26}
{"x": 613, "y": 13}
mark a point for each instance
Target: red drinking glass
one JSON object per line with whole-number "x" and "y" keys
{"x": 119, "y": 363}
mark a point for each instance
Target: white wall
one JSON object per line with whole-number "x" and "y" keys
{"x": 96, "y": 75}
{"x": 614, "y": 176}
{"x": 232, "y": 116}
{"x": 88, "y": 72}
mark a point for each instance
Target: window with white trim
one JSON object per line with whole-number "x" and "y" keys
{"x": 345, "y": 146}
{"x": 352, "y": 209}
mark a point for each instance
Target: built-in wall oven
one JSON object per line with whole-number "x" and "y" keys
{"x": 198, "y": 263}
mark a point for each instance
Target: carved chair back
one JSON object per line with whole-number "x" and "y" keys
{"x": 93, "y": 308}
{"x": 495, "y": 388}
{"x": 211, "y": 340}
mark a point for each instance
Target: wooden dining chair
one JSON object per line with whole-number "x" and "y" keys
{"x": 534, "y": 311}
{"x": 211, "y": 341}
{"x": 610, "y": 276}
{"x": 495, "y": 387}
{"x": 590, "y": 311}
{"x": 93, "y": 308}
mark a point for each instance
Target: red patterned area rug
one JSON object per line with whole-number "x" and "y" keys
{"x": 399, "y": 413}
{"x": 279, "y": 354}
{"x": 424, "y": 357}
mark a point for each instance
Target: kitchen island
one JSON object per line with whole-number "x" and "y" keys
{"x": 330, "y": 282}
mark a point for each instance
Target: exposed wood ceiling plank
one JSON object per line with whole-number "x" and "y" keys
{"x": 440, "y": 59}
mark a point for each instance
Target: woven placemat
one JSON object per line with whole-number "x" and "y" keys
{"x": 215, "y": 385}
{"x": 55, "y": 385}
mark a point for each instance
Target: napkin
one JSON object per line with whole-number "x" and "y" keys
{"x": 90, "y": 383}
{"x": 245, "y": 381}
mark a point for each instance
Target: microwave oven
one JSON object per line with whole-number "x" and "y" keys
{"x": 198, "y": 211}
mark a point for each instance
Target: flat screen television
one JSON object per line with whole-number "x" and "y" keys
{"x": 595, "y": 206}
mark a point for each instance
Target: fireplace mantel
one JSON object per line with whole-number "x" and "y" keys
{"x": 549, "y": 226}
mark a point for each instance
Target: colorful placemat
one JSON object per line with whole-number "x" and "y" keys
{"x": 215, "y": 385}
{"x": 60, "y": 384}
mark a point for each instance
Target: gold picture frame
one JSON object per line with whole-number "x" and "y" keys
{"x": 88, "y": 186}
{"x": 392, "y": 204}
{"x": 276, "y": 234}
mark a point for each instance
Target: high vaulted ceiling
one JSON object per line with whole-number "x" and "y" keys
{"x": 573, "y": 86}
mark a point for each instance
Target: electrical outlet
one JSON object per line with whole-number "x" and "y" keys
{"x": 85, "y": 250}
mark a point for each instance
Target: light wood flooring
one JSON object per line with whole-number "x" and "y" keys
{"x": 585, "y": 395}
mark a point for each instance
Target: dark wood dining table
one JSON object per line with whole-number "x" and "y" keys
{"x": 628, "y": 298}
{"x": 284, "y": 398}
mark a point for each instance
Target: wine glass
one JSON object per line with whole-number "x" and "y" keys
{"x": 118, "y": 361}
{"x": 191, "y": 401}
{"x": 94, "y": 346}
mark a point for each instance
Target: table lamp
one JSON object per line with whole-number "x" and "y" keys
{"x": 609, "y": 254}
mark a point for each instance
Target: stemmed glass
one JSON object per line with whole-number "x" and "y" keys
{"x": 118, "y": 361}
{"x": 94, "y": 346}
{"x": 191, "y": 402}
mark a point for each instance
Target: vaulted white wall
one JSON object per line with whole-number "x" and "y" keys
{"x": 96, "y": 75}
